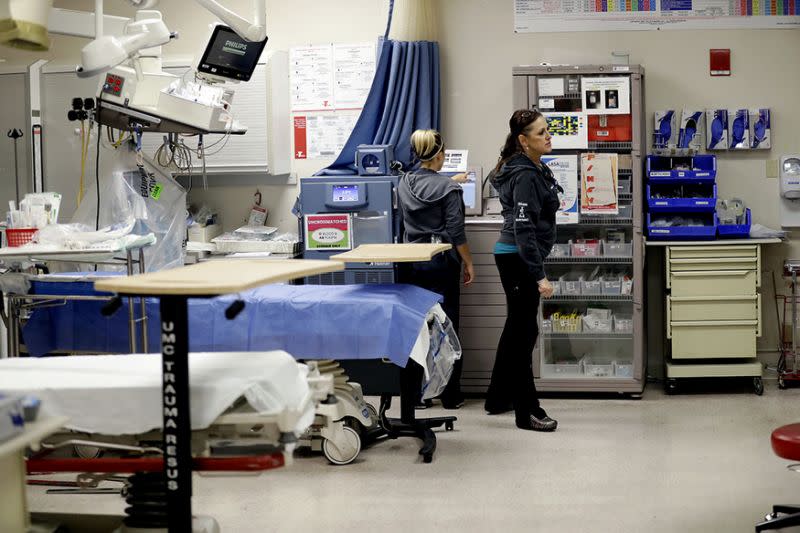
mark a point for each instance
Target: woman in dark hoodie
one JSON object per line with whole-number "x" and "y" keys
{"x": 529, "y": 201}
{"x": 433, "y": 211}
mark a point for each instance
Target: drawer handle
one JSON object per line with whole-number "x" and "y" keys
{"x": 712, "y": 298}
{"x": 758, "y": 315}
{"x": 712, "y": 273}
{"x": 713, "y": 260}
{"x": 713, "y": 248}
{"x": 669, "y": 317}
{"x": 715, "y": 323}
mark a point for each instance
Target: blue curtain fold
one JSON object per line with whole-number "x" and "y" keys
{"x": 404, "y": 97}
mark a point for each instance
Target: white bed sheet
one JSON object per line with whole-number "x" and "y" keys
{"x": 121, "y": 394}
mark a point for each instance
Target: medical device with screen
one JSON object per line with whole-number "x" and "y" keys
{"x": 229, "y": 56}
{"x": 345, "y": 193}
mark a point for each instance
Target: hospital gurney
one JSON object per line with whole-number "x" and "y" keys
{"x": 248, "y": 410}
{"x": 310, "y": 322}
{"x": 117, "y": 253}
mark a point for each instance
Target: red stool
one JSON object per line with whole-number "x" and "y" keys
{"x": 786, "y": 444}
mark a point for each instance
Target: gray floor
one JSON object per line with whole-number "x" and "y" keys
{"x": 686, "y": 463}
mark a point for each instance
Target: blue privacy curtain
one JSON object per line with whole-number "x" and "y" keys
{"x": 404, "y": 97}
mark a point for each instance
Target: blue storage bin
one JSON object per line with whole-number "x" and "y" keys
{"x": 702, "y": 169}
{"x": 685, "y": 233}
{"x": 682, "y": 205}
{"x": 736, "y": 231}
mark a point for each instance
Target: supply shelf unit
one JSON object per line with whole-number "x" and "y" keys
{"x": 577, "y": 353}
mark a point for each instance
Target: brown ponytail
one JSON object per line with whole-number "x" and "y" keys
{"x": 519, "y": 121}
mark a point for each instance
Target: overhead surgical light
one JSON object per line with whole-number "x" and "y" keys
{"x": 23, "y": 24}
{"x": 108, "y": 51}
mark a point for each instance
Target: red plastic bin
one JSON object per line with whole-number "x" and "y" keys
{"x": 19, "y": 236}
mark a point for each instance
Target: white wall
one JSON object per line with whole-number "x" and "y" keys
{"x": 479, "y": 48}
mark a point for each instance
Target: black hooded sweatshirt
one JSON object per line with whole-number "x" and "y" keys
{"x": 433, "y": 207}
{"x": 529, "y": 200}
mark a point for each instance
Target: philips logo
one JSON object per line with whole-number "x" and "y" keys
{"x": 233, "y": 47}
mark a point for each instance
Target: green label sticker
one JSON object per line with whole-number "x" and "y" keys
{"x": 155, "y": 194}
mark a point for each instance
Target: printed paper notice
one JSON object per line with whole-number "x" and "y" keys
{"x": 550, "y": 86}
{"x": 568, "y": 130}
{"x": 606, "y": 96}
{"x": 354, "y": 68}
{"x": 599, "y": 184}
{"x": 311, "y": 78}
{"x": 327, "y": 133}
{"x": 565, "y": 170}
{"x": 455, "y": 161}
{"x": 328, "y": 232}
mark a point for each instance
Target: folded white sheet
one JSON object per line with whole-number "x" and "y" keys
{"x": 121, "y": 394}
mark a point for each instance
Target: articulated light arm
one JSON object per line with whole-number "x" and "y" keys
{"x": 255, "y": 30}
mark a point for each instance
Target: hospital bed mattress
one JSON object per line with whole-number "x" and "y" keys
{"x": 121, "y": 394}
{"x": 340, "y": 322}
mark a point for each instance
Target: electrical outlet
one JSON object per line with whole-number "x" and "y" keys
{"x": 772, "y": 168}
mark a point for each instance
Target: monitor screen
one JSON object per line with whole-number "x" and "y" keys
{"x": 229, "y": 56}
{"x": 345, "y": 193}
{"x": 472, "y": 190}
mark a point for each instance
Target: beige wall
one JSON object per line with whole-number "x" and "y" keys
{"x": 479, "y": 48}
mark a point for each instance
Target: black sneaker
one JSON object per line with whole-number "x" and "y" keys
{"x": 537, "y": 424}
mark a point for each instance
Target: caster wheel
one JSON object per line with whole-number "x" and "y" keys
{"x": 448, "y": 426}
{"x": 671, "y": 386}
{"x": 770, "y": 516}
{"x": 758, "y": 385}
{"x": 781, "y": 383}
{"x": 342, "y": 453}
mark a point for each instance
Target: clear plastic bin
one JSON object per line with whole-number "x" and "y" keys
{"x": 612, "y": 285}
{"x": 593, "y": 324}
{"x": 570, "y": 285}
{"x": 562, "y": 369}
{"x": 591, "y": 288}
{"x": 618, "y": 249}
{"x": 623, "y": 370}
{"x": 598, "y": 370}
{"x": 560, "y": 250}
{"x": 566, "y": 324}
{"x": 623, "y": 324}
{"x": 587, "y": 249}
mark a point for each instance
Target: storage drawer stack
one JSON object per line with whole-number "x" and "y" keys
{"x": 713, "y": 312}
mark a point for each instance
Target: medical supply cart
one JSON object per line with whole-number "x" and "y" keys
{"x": 591, "y": 331}
{"x": 713, "y": 309}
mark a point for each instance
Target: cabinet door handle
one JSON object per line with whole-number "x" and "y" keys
{"x": 715, "y": 323}
{"x": 714, "y": 273}
{"x": 758, "y": 315}
{"x": 712, "y": 298}
{"x": 717, "y": 248}
{"x": 669, "y": 317}
{"x": 714, "y": 260}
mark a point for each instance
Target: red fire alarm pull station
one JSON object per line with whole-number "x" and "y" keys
{"x": 720, "y": 64}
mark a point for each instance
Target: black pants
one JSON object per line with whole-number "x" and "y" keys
{"x": 512, "y": 376}
{"x": 441, "y": 275}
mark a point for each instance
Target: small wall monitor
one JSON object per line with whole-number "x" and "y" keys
{"x": 229, "y": 56}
